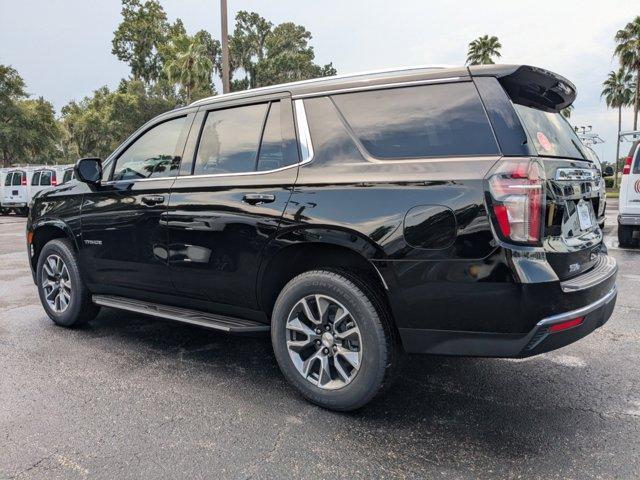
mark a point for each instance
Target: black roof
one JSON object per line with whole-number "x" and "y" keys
{"x": 524, "y": 83}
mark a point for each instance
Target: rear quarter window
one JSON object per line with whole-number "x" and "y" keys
{"x": 421, "y": 121}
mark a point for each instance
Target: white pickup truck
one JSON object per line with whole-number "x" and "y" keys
{"x": 629, "y": 206}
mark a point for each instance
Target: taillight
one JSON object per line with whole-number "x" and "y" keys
{"x": 23, "y": 179}
{"x": 516, "y": 196}
{"x": 627, "y": 166}
{"x": 54, "y": 182}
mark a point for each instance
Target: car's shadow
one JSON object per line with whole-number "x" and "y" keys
{"x": 510, "y": 410}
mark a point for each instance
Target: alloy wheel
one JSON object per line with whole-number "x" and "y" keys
{"x": 324, "y": 341}
{"x": 56, "y": 283}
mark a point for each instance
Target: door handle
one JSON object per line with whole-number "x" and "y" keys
{"x": 153, "y": 200}
{"x": 255, "y": 198}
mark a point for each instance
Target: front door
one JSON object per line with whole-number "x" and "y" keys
{"x": 124, "y": 243}
{"x": 223, "y": 213}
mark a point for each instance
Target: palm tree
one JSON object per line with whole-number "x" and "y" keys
{"x": 618, "y": 92}
{"x": 628, "y": 50}
{"x": 482, "y": 49}
{"x": 566, "y": 111}
{"x": 189, "y": 64}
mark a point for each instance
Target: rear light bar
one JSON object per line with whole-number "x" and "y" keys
{"x": 627, "y": 166}
{"x": 54, "y": 182}
{"x": 559, "y": 327}
{"x": 516, "y": 198}
{"x": 23, "y": 179}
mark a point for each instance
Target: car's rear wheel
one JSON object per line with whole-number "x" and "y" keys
{"x": 333, "y": 339}
{"x": 62, "y": 292}
{"x": 625, "y": 235}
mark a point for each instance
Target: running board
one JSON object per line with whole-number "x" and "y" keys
{"x": 185, "y": 315}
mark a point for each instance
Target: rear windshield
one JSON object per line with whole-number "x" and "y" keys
{"x": 551, "y": 134}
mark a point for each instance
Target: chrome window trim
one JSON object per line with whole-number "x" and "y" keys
{"x": 304, "y": 135}
{"x": 382, "y": 86}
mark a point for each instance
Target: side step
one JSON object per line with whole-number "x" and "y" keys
{"x": 194, "y": 317}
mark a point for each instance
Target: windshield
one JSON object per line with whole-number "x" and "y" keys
{"x": 551, "y": 134}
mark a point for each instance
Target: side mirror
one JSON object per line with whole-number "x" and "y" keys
{"x": 89, "y": 170}
{"x": 608, "y": 171}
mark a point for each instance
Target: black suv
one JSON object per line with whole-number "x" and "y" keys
{"x": 428, "y": 210}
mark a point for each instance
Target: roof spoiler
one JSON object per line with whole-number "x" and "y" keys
{"x": 530, "y": 86}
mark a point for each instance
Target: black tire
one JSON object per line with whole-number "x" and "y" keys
{"x": 379, "y": 343}
{"x": 24, "y": 211}
{"x": 80, "y": 308}
{"x": 625, "y": 236}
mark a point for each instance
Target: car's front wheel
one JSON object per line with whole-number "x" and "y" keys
{"x": 62, "y": 292}
{"x": 333, "y": 339}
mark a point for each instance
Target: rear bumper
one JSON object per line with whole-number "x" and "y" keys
{"x": 14, "y": 204}
{"x": 539, "y": 340}
{"x": 629, "y": 219}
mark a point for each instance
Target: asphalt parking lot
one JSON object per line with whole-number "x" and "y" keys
{"x": 134, "y": 397}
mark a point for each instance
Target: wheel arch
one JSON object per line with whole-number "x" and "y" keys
{"x": 44, "y": 232}
{"x": 279, "y": 267}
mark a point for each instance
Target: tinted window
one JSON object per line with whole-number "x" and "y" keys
{"x": 551, "y": 134}
{"x": 35, "y": 180}
{"x": 229, "y": 140}
{"x": 45, "y": 179}
{"x": 272, "y": 147}
{"x": 423, "y": 121}
{"x": 17, "y": 178}
{"x": 153, "y": 154}
{"x": 7, "y": 181}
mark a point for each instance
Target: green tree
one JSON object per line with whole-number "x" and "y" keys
{"x": 628, "y": 51}
{"x": 97, "y": 124}
{"x": 618, "y": 92}
{"x": 483, "y": 49}
{"x": 28, "y": 128}
{"x": 139, "y": 36}
{"x": 189, "y": 63}
{"x": 267, "y": 55}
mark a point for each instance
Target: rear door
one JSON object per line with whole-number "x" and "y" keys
{"x": 124, "y": 242}
{"x": 630, "y": 187}
{"x": 17, "y": 194}
{"x": 224, "y": 210}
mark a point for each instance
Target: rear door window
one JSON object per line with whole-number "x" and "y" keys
{"x": 17, "y": 179}
{"x": 7, "y": 181}
{"x": 68, "y": 175}
{"x": 229, "y": 140}
{"x": 272, "y": 148}
{"x": 421, "y": 121}
{"x": 35, "y": 180}
{"x": 45, "y": 178}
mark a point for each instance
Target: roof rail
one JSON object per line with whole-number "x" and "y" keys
{"x": 319, "y": 79}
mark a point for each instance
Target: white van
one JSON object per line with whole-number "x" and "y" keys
{"x": 44, "y": 177}
{"x": 3, "y": 175}
{"x": 629, "y": 207}
{"x": 15, "y": 195}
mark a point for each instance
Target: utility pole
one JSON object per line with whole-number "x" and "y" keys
{"x": 225, "y": 47}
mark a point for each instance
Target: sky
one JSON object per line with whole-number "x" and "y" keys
{"x": 62, "y": 48}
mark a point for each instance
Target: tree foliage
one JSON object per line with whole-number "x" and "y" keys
{"x": 189, "y": 64}
{"x": 628, "y": 51}
{"x": 28, "y": 128}
{"x": 483, "y": 49}
{"x": 266, "y": 55}
{"x": 96, "y": 125}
